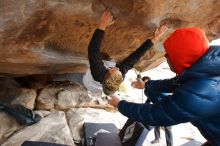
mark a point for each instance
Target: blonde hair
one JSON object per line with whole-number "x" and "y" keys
{"x": 112, "y": 81}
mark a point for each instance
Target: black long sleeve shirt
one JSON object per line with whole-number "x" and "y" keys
{"x": 98, "y": 70}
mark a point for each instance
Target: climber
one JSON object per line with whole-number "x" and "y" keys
{"x": 112, "y": 77}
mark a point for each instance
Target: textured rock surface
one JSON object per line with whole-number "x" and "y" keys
{"x": 72, "y": 96}
{"x": 60, "y": 127}
{"x": 52, "y": 128}
{"x": 46, "y": 98}
{"x": 26, "y": 98}
{"x": 62, "y": 95}
{"x": 8, "y": 126}
{"x": 51, "y": 36}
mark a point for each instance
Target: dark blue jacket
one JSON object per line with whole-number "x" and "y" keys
{"x": 195, "y": 99}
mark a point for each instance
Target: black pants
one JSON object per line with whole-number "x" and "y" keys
{"x": 168, "y": 134}
{"x": 154, "y": 97}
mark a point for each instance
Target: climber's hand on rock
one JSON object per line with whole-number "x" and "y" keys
{"x": 106, "y": 20}
{"x": 159, "y": 33}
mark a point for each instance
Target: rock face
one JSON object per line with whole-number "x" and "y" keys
{"x": 56, "y": 132}
{"x": 62, "y": 95}
{"x": 51, "y": 36}
{"x": 22, "y": 96}
{"x": 26, "y": 98}
{"x": 8, "y": 126}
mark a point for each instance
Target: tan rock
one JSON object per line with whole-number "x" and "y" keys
{"x": 22, "y": 96}
{"x": 46, "y": 98}
{"x": 62, "y": 95}
{"x": 53, "y": 128}
{"x": 47, "y": 37}
{"x": 8, "y": 126}
{"x": 7, "y": 95}
{"x": 26, "y": 98}
{"x": 75, "y": 122}
{"x": 72, "y": 96}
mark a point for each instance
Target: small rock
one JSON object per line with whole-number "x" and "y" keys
{"x": 26, "y": 98}
{"x": 46, "y": 98}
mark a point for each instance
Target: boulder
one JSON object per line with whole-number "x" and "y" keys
{"x": 51, "y": 37}
{"x": 8, "y": 126}
{"x": 53, "y": 128}
{"x": 26, "y": 98}
{"x": 62, "y": 95}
